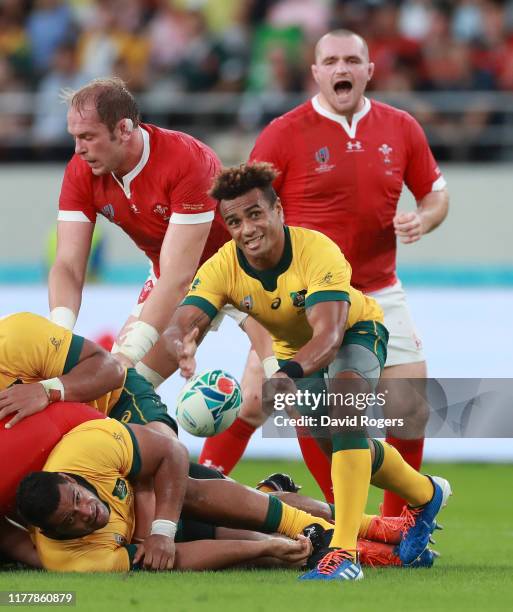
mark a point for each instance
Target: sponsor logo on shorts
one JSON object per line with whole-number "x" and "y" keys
{"x": 145, "y": 291}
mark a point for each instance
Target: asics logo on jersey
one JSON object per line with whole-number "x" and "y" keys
{"x": 354, "y": 145}
{"x": 108, "y": 211}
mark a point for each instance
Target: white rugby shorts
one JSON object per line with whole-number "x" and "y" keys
{"x": 404, "y": 345}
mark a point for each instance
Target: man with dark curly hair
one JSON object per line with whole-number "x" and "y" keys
{"x": 296, "y": 283}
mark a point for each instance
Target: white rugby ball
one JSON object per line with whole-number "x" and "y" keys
{"x": 209, "y": 403}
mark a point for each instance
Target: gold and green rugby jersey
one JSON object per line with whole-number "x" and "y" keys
{"x": 32, "y": 348}
{"x": 104, "y": 453}
{"x": 311, "y": 270}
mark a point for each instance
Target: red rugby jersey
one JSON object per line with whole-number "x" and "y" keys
{"x": 345, "y": 180}
{"x": 168, "y": 185}
{"x": 26, "y": 447}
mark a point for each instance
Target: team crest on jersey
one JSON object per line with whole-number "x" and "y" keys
{"x": 120, "y": 489}
{"x": 298, "y": 298}
{"x": 108, "y": 211}
{"x": 385, "y": 150}
{"x": 247, "y": 302}
{"x": 322, "y": 157}
{"x": 161, "y": 210}
{"x": 327, "y": 279}
{"x": 354, "y": 146}
{"x": 55, "y": 342}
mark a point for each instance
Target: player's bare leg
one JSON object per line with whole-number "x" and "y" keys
{"x": 406, "y": 400}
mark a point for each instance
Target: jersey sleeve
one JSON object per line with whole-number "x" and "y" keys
{"x": 101, "y": 448}
{"x": 327, "y": 273}
{"x": 190, "y": 202}
{"x": 32, "y": 347}
{"x": 271, "y": 146}
{"x": 208, "y": 289}
{"x": 76, "y": 199}
{"x": 82, "y": 556}
{"x": 422, "y": 174}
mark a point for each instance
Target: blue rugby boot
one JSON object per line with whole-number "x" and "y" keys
{"x": 421, "y": 522}
{"x": 337, "y": 564}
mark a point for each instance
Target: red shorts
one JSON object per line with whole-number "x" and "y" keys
{"x": 25, "y": 447}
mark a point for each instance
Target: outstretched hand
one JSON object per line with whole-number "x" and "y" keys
{"x": 186, "y": 351}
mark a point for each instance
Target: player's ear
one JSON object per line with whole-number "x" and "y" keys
{"x": 371, "y": 71}
{"x": 315, "y": 73}
{"x": 126, "y": 126}
{"x": 279, "y": 209}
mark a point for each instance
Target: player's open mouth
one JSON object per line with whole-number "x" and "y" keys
{"x": 254, "y": 242}
{"x": 343, "y": 86}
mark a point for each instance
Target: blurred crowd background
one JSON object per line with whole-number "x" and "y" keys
{"x": 223, "y": 68}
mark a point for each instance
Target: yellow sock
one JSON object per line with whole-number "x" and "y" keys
{"x": 364, "y": 525}
{"x": 350, "y": 474}
{"x": 293, "y": 521}
{"x": 397, "y": 476}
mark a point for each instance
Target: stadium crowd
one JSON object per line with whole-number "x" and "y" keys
{"x": 259, "y": 46}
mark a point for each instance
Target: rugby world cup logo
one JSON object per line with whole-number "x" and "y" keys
{"x": 322, "y": 156}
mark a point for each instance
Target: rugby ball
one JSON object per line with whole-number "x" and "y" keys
{"x": 209, "y": 403}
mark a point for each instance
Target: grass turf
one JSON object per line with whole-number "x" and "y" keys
{"x": 475, "y": 571}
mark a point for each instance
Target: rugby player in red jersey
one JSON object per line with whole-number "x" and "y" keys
{"x": 343, "y": 160}
{"x": 151, "y": 182}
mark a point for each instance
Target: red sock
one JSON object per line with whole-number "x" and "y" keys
{"x": 411, "y": 451}
{"x": 318, "y": 464}
{"x": 222, "y": 452}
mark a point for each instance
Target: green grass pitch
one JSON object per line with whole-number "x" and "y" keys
{"x": 475, "y": 571}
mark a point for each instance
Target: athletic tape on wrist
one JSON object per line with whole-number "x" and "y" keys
{"x": 63, "y": 316}
{"x": 270, "y": 365}
{"x": 163, "y": 527}
{"x": 140, "y": 338}
{"x": 54, "y": 389}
